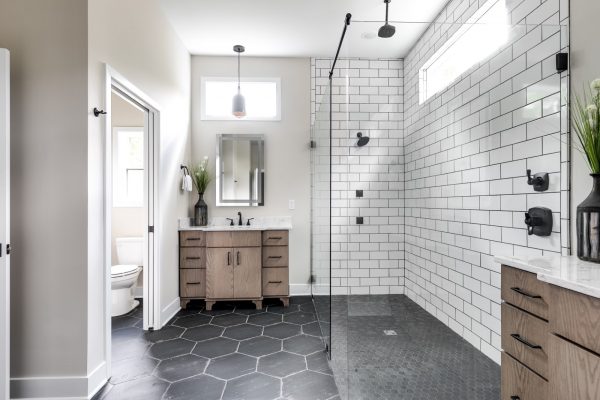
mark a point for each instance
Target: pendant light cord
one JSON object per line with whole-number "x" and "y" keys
{"x": 239, "y": 73}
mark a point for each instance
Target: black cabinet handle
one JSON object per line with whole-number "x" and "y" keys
{"x": 515, "y": 398}
{"x": 275, "y": 281}
{"x": 192, "y": 258}
{"x": 238, "y": 258}
{"x": 518, "y": 337}
{"x": 274, "y": 256}
{"x": 194, "y": 283}
{"x": 228, "y": 258}
{"x": 524, "y": 293}
{"x": 275, "y": 238}
{"x": 192, "y": 239}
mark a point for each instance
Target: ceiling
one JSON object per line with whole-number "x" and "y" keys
{"x": 298, "y": 28}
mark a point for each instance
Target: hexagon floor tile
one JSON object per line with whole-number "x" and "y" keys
{"x": 216, "y": 347}
{"x": 281, "y": 364}
{"x": 253, "y": 387}
{"x": 231, "y": 366}
{"x": 260, "y": 346}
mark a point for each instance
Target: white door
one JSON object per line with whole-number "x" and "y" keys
{"x": 4, "y": 223}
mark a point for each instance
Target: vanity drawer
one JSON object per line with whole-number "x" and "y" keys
{"x": 192, "y": 257}
{"x": 276, "y": 256}
{"x": 275, "y": 238}
{"x": 192, "y": 282}
{"x": 275, "y": 282}
{"x": 233, "y": 239}
{"x": 574, "y": 371}
{"x": 524, "y": 290}
{"x": 576, "y": 317}
{"x": 518, "y": 382}
{"x": 525, "y": 337}
{"x": 192, "y": 238}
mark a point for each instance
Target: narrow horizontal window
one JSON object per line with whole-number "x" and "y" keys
{"x": 476, "y": 40}
{"x": 263, "y": 98}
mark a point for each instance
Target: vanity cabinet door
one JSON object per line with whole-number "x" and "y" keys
{"x": 219, "y": 273}
{"x": 247, "y": 276}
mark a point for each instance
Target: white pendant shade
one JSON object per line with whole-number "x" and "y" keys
{"x": 239, "y": 106}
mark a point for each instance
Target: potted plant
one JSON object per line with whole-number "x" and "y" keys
{"x": 586, "y": 124}
{"x": 201, "y": 177}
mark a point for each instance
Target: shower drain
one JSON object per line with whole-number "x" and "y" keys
{"x": 390, "y": 332}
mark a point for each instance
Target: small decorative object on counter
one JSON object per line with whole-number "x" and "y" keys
{"x": 201, "y": 178}
{"x": 586, "y": 124}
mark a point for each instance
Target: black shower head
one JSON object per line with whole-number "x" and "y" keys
{"x": 362, "y": 140}
{"x": 387, "y": 30}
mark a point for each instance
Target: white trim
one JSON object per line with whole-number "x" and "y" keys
{"x": 299, "y": 289}
{"x": 169, "y": 311}
{"x": 63, "y": 387}
{"x": 229, "y": 117}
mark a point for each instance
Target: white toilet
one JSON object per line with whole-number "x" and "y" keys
{"x": 125, "y": 275}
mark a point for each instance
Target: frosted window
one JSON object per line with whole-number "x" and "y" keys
{"x": 262, "y": 99}
{"x": 479, "y": 38}
{"x": 128, "y": 167}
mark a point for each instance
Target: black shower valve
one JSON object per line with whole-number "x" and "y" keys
{"x": 539, "y": 181}
{"x": 539, "y": 221}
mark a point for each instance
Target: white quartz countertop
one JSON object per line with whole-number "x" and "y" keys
{"x": 568, "y": 272}
{"x": 222, "y": 224}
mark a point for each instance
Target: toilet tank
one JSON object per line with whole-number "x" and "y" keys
{"x": 130, "y": 250}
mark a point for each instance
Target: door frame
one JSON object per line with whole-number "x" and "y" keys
{"x": 115, "y": 82}
{"x": 5, "y": 236}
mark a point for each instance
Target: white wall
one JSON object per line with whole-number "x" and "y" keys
{"x": 48, "y": 44}
{"x": 135, "y": 39}
{"x": 287, "y": 153}
{"x": 585, "y": 67}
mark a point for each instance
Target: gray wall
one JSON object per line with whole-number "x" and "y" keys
{"x": 48, "y": 44}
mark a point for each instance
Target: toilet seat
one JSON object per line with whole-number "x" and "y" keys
{"x": 123, "y": 270}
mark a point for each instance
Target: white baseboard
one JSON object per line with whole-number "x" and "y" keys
{"x": 59, "y": 388}
{"x": 300, "y": 289}
{"x": 169, "y": 311}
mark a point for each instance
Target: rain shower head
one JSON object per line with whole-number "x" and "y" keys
{"x": 362, "y": 140}
{"x": 387, "y": 30}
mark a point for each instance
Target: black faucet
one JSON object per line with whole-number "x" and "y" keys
{"x": 230, "y": 221}
{"x": 240, "y": 219}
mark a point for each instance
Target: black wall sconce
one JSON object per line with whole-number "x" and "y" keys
{"x": 539, "y": 181}
{"x": 539, "y": 221}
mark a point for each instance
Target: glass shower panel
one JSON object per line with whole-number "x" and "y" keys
{"x": 321, "y": 213}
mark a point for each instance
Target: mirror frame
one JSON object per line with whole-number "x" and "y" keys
{"x": 220, "y": 167}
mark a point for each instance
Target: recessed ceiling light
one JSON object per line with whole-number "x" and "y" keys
{"x": 368, "y": 35}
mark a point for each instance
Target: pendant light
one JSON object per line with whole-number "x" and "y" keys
{"x": 239, "y": 102}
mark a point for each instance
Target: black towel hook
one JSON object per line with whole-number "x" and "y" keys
{"x": 98, "y": 112}
{"x": 185, "y": 169}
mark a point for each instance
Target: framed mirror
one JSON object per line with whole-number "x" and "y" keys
{"x": 240, "y": 170}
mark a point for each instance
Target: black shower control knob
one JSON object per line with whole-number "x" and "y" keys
{"x": 539, "y": 221}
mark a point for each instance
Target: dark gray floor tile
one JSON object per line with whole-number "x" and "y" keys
{"x": 309, "y": 385}
{"x": 144, "y": 388}
{"x": 220, "y": 308}
{"x": 301, "y": 300}
{"x": 281, "y": 364}
{"x": 131, "y": 368}
{"x": 312, "y": 328}
{"x": 308, "y": 307}
{"x": 126, "y": 334}
{"x": 216, "y": 347}
{"x": 264, "y": 319}
{"x": 199, "y": 387}
{"x": 282, "y": 331}
{"x": 178, "y": 368}
{"x": 299, "y": 318}
{"x": 191, "y": 321}
{"x": 318, "y": 362}
{"x": 167, "y": 333}
{"x": 123, "y": 322}
{"x": 229, "y": 320}
{"x": 283, "y": 310}
{"x": 231, "y": 366}
{"x": 260, "y": 346}
{"x": 170, "y": 348}
{"x": 252, "y": 387}
{"x": 135, "y": 348}
{"x": 241, "y": 332}
{"x": 303, "y": 344}
{"x": 203, "y": 332}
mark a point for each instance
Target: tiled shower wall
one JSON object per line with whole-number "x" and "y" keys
{"x": 466, "y": 154}
{"x": 367, "y": 97}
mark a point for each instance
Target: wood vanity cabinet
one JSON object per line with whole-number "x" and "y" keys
{"x": 230, "y": 265}
{"x": 550, "y": 340}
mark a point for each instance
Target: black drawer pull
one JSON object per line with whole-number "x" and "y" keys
{"x": 274, "y": 238}
{"x": 194, "y": 283}
{"x": 238, "y": 258}
{"x": 192, "y": 258}
{"x": 193, "y": 239}
{"x": 275, "y": 281}
{"x": 274, "y": 256}
{"x": 524, "y": 293}
{"x": 228, "y": 258}
{"x": 518, "y": 337}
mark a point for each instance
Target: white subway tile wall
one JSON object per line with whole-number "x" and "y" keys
{"x": 367, "y": 97}
{"x": 466, "y": 153}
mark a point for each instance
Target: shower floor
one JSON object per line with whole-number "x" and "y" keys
{"x": 418, "y": 359}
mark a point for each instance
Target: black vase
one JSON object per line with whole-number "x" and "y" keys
{"x": 588, "y": 224}
{"x": 200, "y": 211}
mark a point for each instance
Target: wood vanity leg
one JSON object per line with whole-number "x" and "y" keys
{"x": 184, "y": 303}
{"x": 258, "y": 304}
{"x": 285, "y": 301}
{"x": 209, "y": 305}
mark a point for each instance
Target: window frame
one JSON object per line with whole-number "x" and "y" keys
{"x": 117, "y": 200}
{"x": 231, "y": 117}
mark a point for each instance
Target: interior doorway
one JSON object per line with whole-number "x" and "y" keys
{"x": 131, "y": 173}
